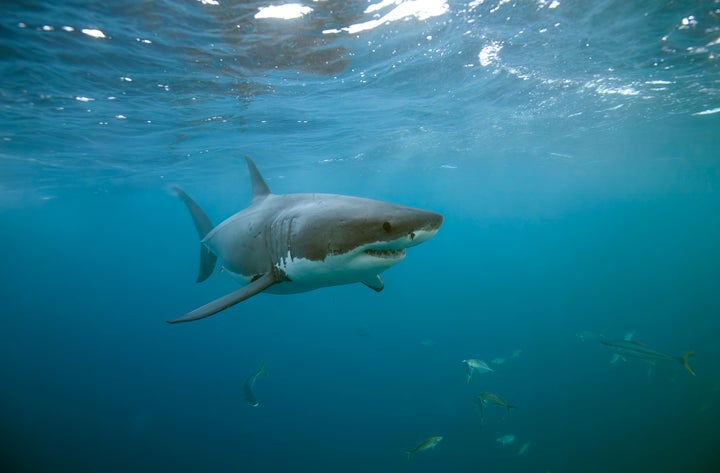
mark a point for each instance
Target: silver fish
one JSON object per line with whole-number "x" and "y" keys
{"x": 425, "y": 445}
{"x": 476, "y": 366}
{"x": 506, "y": 439}
{"x": 486, "y": 399}
{"x": 635, "y": 349}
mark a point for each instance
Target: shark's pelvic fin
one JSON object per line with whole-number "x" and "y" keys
{"x": 203, "y": 227}
{"x": 376, "y": 283}
{"x": 259, "y": 189}
{"x": 259, "y": 285}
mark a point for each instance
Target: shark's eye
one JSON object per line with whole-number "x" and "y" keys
{"x": 412, "y": 235}
{"x": 387, "y": 227}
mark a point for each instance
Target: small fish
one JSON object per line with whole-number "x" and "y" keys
{"x": 362, "y": 333}
{"x": 249, "y": 382}
{"x": 498, "y": 361}
{"x": 425, "y": 445}
{"x": 428, "y": 342}
{"x": 486, "y": 399}
{"x": 523, "y": 448}
{"x": 478, "y": 366}
{"x": 515, "y": 354}
{"x": 506, "y": 439}
{"x": 629, "y": 348}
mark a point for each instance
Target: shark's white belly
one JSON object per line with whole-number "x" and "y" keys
{"x": 335, "y": 270}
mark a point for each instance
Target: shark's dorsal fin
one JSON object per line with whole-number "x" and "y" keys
{"x": 260, "y": 190}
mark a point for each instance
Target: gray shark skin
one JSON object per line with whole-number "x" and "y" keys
{"x": 290, "y": 243}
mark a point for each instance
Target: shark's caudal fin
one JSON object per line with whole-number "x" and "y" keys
{"x": 228, "y": 300}
{"x": 684, "y": 360}
{"x": 203, "y": 227}
{"x": 250, "y": 381}
{"x": 261, "y": 371}
{"x": 259, "y": 189}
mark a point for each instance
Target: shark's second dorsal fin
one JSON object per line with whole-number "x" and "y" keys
{"x": 260, "y": 190}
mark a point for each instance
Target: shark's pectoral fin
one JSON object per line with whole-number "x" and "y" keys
{"x": 245, "y": 292}
{"x": 376, "y": 283}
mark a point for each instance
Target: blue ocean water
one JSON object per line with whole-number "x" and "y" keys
{"x": 572, "y": 147}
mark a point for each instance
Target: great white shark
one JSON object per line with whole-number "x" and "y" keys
{"x": 289, "y": 243}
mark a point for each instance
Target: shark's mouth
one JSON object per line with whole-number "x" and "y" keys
{"x": 386, "y": 254}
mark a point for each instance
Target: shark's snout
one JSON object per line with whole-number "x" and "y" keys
{"x": 423, "y": 227}
{"x": 434, "y": 221}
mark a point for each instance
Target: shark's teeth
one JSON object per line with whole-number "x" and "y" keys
{"x": 388, "y": 254}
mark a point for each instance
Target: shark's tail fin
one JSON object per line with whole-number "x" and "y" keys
{"x": 203, "y": 227}
{"x": 261, "y": 371}
{"x": 684, "y": 361}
